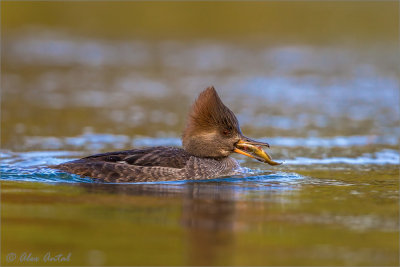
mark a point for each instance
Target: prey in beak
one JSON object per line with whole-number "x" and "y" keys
{"x": 253, "y": 149}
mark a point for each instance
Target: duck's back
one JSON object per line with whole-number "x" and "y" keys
{"x": 153, "y": 156}
{"x": 149, "y": 164}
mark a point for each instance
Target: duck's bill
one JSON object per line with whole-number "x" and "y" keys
{"x": 253, "y": 150}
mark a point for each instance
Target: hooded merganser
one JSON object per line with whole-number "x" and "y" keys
{"x": 211, "y": 134}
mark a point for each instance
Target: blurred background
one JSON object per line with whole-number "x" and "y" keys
{"x": 297, "y": 69}
{"x": 318, "y": 80}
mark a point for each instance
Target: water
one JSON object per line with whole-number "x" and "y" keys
{"x": 329, "y": 109}
{"x": 340, "y": 209}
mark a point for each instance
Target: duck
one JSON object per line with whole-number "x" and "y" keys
{"x": 211, "y": 134}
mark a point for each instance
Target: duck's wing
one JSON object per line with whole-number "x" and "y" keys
{"x": 153, "y": 156}
{"x": 149, "y": 164}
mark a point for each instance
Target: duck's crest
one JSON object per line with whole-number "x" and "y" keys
{"x": 208, "y": 112}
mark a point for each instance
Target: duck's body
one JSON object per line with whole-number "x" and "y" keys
{"x": 150, "y": 164}
{"x": 212, "y": 133}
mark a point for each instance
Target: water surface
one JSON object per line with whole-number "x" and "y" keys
{"x": 326, "y": 101}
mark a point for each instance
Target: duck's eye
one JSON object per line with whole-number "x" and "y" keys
{"x": 226, "y": 132}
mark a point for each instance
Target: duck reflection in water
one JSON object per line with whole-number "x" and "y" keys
{"x": 208, "y": 211}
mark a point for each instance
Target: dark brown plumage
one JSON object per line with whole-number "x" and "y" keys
{"x": 211, "y": 129}
{"x": 211, "y": 134}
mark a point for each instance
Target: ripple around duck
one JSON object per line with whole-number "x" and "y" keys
{"x": 43, "y": 175}
{"x": 248, "y": 180}
{"x": 33, "y": 167}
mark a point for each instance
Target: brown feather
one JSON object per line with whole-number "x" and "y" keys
{"x": 209, "y": 112}
{"x": 205, "y": 153}
{"x": 156, "y": 164}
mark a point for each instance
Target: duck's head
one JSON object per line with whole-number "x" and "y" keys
{"x": 213, "y": 131}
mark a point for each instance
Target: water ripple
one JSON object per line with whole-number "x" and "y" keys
{"x": 95, "y": 141}
{"x": 32, "y": 166}
{"x": 386, "y": 156}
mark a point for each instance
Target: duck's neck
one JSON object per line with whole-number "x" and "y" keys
{"x": 208, "y": 168}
